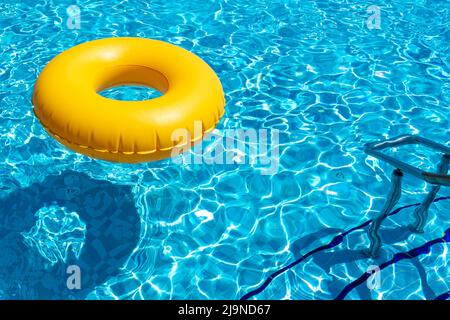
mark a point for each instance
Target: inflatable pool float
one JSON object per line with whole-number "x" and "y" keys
{"x": 67, "y": 102}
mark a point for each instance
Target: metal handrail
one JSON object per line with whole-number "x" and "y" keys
{"x": 374, "y": 149}
{"x": 437, "y": 179}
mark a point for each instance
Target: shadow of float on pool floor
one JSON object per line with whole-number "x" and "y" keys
{"x": 112, "y": 225}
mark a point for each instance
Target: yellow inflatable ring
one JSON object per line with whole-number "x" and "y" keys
{"x": 67, "y": 103}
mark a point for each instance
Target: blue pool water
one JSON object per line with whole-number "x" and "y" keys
{"x": 315, "y": 71}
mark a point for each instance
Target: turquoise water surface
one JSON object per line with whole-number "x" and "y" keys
{"x": 322, "y": 73}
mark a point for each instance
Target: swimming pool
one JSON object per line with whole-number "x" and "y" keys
{"x": 327, "y": 76}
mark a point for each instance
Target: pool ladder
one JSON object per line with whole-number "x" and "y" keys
{"x": 437, "y": 179}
